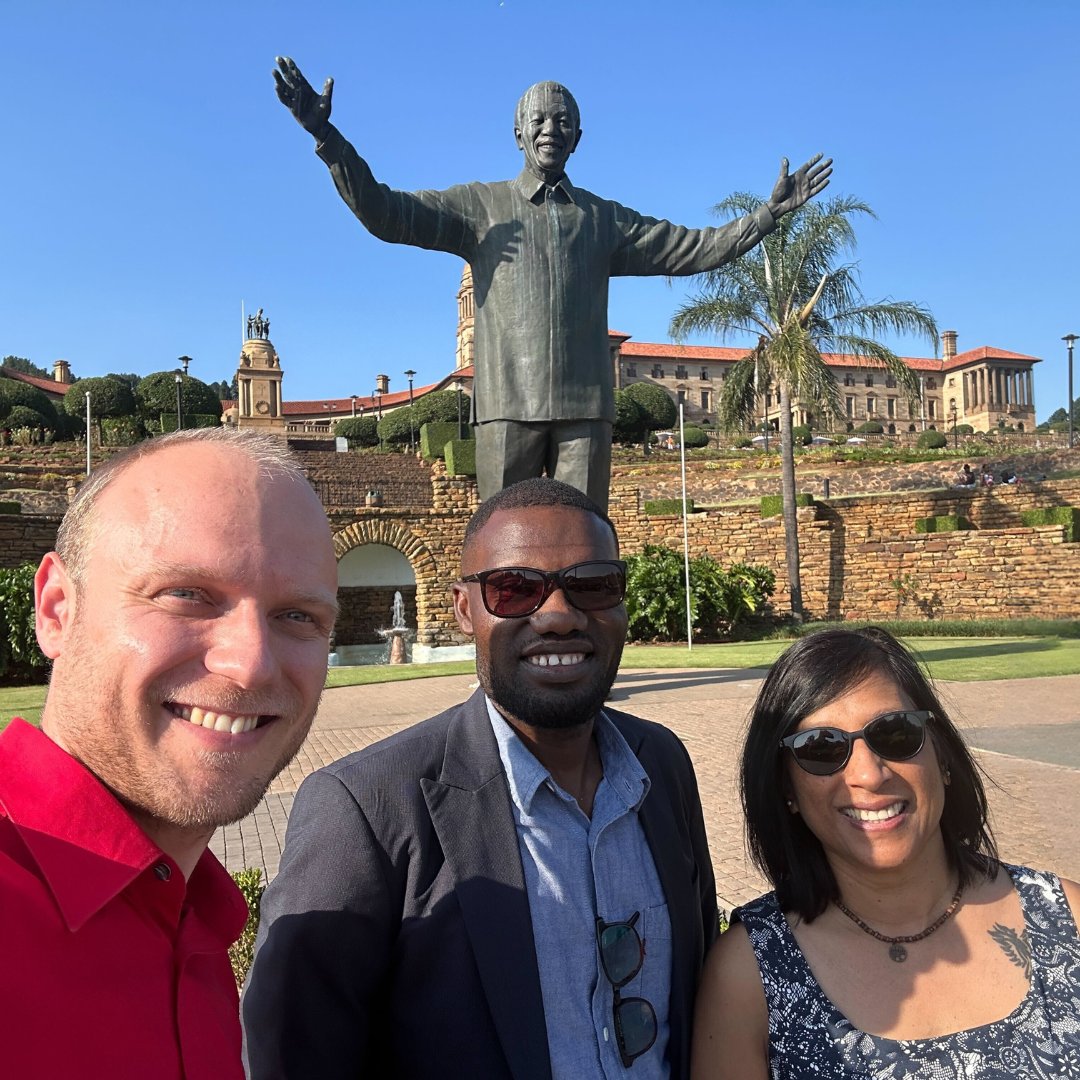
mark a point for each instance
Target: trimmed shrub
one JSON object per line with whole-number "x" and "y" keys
{"x": 658, "y": 409}
{"x": 434, "y": 437}
{"x": 744, "y": 444}
{"x": 800, "y": 435}
{"x": 664, "y": 507}
{"x": 24, "y": 416}
{"x": 108, "y": 397}
{"x": 242, "y": 951}
{"x": 461, "y": 457}
{"x": 20, "y": 658}
{"x": 694, "y": 437}
{"x": 359, "y": 430}
{"x": 931, "y": 440}
{"x": 964, "y": 429}
{"x": 440, "y": 405}
{"x": 871, "y": 427}
{"x": 1066, "y": 516}
{"x": 122, "y": 431}
{"x": 773, "y": 505}
{"x": 629, "y": 419}
{"x": 719, "y": 598}
{"x": 943, "y": 523}
{"x": 167, "y": 421}
{"x": 14, "y": 393}
{"x": 156, "y": 395}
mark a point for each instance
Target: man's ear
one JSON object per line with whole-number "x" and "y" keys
{"x": 577, "y": 139}
{"x": 517, "y": 138}
{"x": 462, "y": 608}
{"x": 54, "y": 604}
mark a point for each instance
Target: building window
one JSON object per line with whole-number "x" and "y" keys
{"x": 869, "y": 380}
{"x": 657, "y": 371}
{"x": 850, "y": 403}
{"x": 680, "y": 371}
{"x": 890, "y": 381}
{"x": 952, "y": 381}
{"x": 890, "y": 406}
{"x": 705, "y": 374}
{"x": 871, "y": 406}
{"x": 931, "y": 384}
{"x": 631, "y": 371}
{"x": 931, "y": 409}
{"x": 705, "y": 400}
{"x": 680, "y": 398}
{"x": 849, "y": 379}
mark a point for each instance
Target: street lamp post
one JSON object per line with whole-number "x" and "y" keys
{"x": 410, "y": 374}
{"x": 179, "y": 403}
{"x": 1070, "y": 340}
{"x": 953, "y": 415}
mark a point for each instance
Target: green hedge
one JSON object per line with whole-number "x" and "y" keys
{"x": 10, "y": 507}
{"x": 931, "y": 440}
{"x": 461, "y": 457}
{"x": 1068, "y": 516}
{"x": 191, "y": 420}
{"x": 773, "y": 505}
{"x": 435, "y": 435}
{"x": 943, "y": 523}
{"x": 20, "y": 658}
{"x": 250, "y": 883}
{"x": 663, "y": 507}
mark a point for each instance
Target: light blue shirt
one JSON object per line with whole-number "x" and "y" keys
{"x": 576, "y": 869}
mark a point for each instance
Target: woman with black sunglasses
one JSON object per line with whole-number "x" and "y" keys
{"x": 894, "y": 944}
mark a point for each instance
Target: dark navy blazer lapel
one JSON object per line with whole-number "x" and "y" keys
{"x": 470, "y": 808}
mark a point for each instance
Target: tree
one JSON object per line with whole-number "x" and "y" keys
{"x": 24, "y": 366}
{"x": 794, "y": 296}
{"x": 13, "y": 393}
{"x": 359, "y": 430}
{"x": 629, "y": 419}
{"x": 658, "y": 411}
{"x": 156, "y": 394}
{"x": 440, "y": 406}
{"x": 109, "y": 396}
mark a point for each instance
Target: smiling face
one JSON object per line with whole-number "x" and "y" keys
{"x": 189, "y": 661}
{"x": 874, "y": 814}
{"x": 554, "y": 668}
{"x": 546, "y": 129}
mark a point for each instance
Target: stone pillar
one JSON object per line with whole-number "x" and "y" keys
{"x": 259, "y": 381}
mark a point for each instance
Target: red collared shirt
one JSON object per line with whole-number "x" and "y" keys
{"x": 111, "y": 965}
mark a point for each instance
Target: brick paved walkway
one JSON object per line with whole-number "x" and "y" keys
{"x": 1026, "y": 733}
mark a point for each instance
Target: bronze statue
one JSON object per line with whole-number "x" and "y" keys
{"x": 541, "y": 252}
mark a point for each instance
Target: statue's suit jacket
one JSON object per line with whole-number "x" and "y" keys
{"x": 396, "y": 939}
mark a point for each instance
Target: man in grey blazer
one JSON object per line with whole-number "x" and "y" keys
{"x": 519, "y": 887}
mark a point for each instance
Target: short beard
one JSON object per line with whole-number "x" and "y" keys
{"x": 555, "y": 710}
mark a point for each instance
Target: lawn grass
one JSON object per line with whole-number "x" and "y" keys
{"x": 951, "y": 659}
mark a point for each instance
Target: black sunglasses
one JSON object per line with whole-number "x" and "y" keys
{"x": 512, "y": 592}
{"x": 621, "y": 955}
{"x": 894, "y": 736}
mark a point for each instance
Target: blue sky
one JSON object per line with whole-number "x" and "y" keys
{"x": 151, "y": 181}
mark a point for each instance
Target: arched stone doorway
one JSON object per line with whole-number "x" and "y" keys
{"x": 368, "y": 577}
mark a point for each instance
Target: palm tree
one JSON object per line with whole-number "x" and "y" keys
{"x": 793, "y": 293}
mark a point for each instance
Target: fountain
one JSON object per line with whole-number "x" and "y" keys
{"x": 398, "y": 634}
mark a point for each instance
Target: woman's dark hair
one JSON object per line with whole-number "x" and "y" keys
{"x": 815, "y": 671}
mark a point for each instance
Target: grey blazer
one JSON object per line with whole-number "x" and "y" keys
{"x": 396, "y": 939}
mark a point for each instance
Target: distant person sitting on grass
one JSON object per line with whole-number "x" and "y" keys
{"x": 986, "y": 477}
{"x": 966, "y": 477}
{"x": 189, "y": 652}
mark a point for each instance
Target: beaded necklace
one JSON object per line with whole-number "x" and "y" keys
{"x": 896, "y": 945}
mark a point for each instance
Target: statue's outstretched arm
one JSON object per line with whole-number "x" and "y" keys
{"x": 793, "y": 189}
{"x": 312, "y": 111}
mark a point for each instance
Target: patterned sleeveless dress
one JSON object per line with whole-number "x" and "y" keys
{"x": 1039, "y": 1040}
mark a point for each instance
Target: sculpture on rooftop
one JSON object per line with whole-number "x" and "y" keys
{"x": 258, "y": 327}
{"x": 541, "y": 252}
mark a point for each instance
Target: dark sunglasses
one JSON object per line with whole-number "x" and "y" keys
{"x": 621, "y": 956}
{"x": 894, "y": 736}
{"x": 512, "y": 592}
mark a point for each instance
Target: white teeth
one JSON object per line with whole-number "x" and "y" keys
{"x": 556, "y": 659}
{"x": 214, "y": 721}
{"x": 875, "y": 815}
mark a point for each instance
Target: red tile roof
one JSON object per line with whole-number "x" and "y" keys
{"x": 50, "y": 386}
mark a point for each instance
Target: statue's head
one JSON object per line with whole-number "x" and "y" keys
{"x": 547, "y": 128}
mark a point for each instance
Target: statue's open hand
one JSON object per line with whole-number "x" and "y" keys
{"x": 311, "y": 110}
{"x": 793, "y": 190}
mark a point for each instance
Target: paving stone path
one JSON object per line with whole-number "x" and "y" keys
{"x": 1026, "y": 733}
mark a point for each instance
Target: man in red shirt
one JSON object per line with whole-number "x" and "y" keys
{"x": 187, "y": 611}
